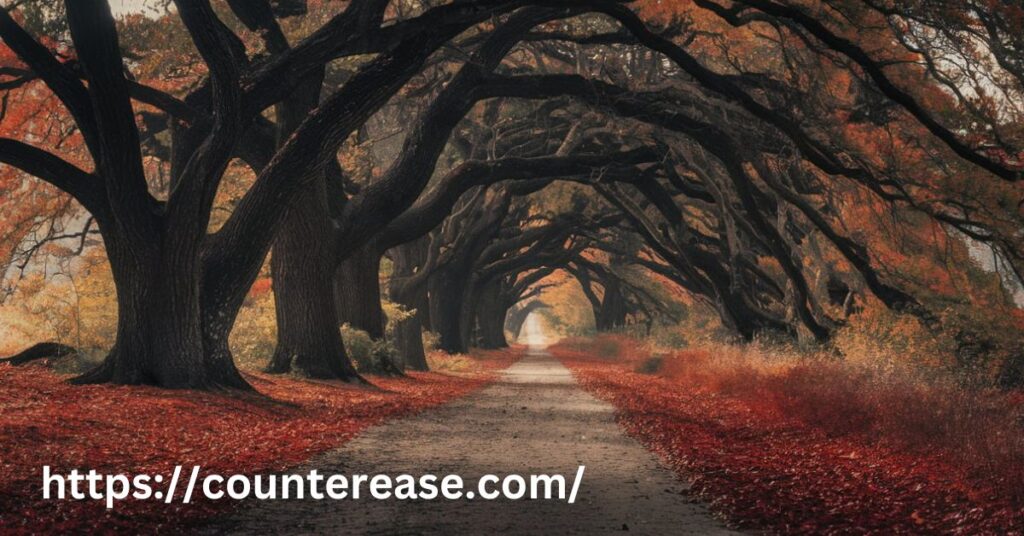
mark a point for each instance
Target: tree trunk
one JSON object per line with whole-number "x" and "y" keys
{"x": 446, "y": 308}
{"x": 409, "y": 344}
{"x": 467, "y": 314}
{"x": 160, "y": 337}
{"x": 42, "y": 350}
{"x": 407, "y": 259}
{"x": 308, "y": 339}
{"x": 490, "y": 317}
{"x": 302, "y": 263}
{"x": 421, "y": 302}
{"x": 612, "y": 314}
{"x": 357, "y": 292}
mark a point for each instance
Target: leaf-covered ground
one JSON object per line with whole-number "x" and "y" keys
{"x": 767, "y": 471}
{"x": 132, "y": 430}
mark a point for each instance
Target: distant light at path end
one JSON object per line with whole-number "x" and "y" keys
{"x": 533, "y": 333}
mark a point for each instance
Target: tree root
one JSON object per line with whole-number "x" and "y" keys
{"x": 40, "y": 350}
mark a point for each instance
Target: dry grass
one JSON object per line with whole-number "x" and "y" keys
{"x": 901, "y": 404}
{"x": 476, "y": 362}
{"x": 444, "y": 362}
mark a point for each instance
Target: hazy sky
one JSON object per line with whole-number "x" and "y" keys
{"x": 120, "y": 7}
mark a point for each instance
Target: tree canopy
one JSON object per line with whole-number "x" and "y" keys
{"x": 783, "y": 164}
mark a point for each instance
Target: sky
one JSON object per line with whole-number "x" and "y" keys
{"x": 123, "y": 7}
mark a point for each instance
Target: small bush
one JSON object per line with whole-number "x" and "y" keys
{"x": 358, "y": 344}
{"x": 439, "y": 361}
{"x": 369, "y": 356}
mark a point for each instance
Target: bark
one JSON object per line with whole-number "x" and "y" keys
{"x": 407, "y": 258}
{"x": 612, "y": 314}
{"x": 409, "y": 344}
{"x": 447, "y": 288}
{"x": 357, "y": 292}
{"x": 308, "y": 339}
{"x": 490, "y": 317}
{"x": 160, "y": 334}
{"x": 358, "y": 298}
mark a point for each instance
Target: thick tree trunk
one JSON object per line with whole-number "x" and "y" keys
{"x": 160, "y": 337}
{"x": 308, "y": 338}
{"x": 407, "y": 259}
{"x": 302, "y": 263}
{"x": 446, "y": 308}
{"x": 409, "y": 344}
{"x": 357, "y": 292}
{"x": 358, "y": 300}
{"x": 612, "y": 314}
{"x": 490, "y": 318}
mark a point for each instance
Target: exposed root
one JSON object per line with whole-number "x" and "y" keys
{"x": 40, "y": 350}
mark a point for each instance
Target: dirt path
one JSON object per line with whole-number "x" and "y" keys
{"x": 534, "y": 420}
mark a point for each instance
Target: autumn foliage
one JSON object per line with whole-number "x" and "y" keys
{"x": 192, "y": 192}
{"x": 810, "y": 446}
{"x": 133, "y": 430}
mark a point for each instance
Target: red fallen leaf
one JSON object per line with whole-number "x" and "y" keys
{"x": 778, "y": 474}
{"x": 132, "y": 430}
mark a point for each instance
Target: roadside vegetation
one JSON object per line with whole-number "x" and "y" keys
{"x": 791, "y": 440}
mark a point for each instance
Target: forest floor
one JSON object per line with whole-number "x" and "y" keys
{"x": 765, "y": 469}
{"x": 662, "y": 454}
{"x": 142, "y": 430}
{"x": 534, "y": 420}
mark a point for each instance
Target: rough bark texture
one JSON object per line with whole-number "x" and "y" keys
{"x": 160, "y": 334}
{"x": 406, "y": 259}
{"x": 409, "y": 344}
{"x": 490, "y": 317}
{"x": 612, "y": 314}
{"x": 357, "y": 292}
{"x": 307, "y": 321}
{"x": 309, "y": 339}
{"x": 447, "y": 289}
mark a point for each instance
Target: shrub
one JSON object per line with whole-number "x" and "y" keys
{"x": 395, "y": 313}
{"x": 439, "y": 361}
{"x": 369, "y": 356}
{"x": 358, "y": 345}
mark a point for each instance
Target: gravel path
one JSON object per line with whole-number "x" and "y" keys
{"x": 534, "y": 420}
